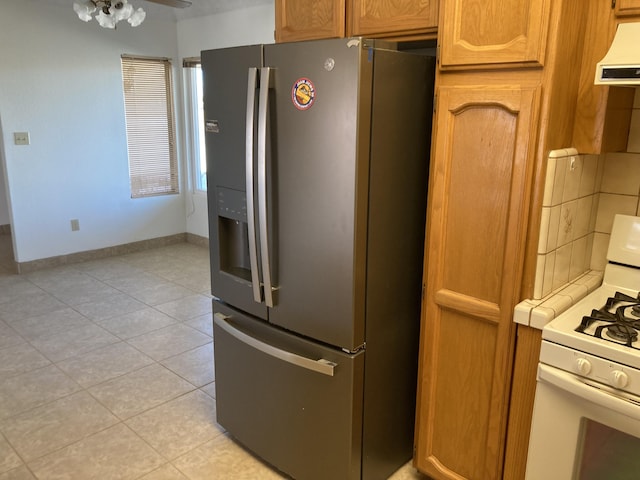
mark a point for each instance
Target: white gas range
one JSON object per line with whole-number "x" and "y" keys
{"x": 586, "y": 420}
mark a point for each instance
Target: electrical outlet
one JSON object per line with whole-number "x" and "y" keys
{"x": 75, "y": 225}
{"x": 21, "y": 138}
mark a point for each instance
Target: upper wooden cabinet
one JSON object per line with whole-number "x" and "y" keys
{"x": 309, "y": 19}
{"x": 603, "y": 113}
{"x": 386, "y": 17}
{"x": 508, "y": 33}
{"x": 627, "y": 7}
{"x": 315, "y": 19}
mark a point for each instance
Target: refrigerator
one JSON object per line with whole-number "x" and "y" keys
{"x": 317, "y": 171}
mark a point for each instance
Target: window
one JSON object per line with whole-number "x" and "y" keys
{"x": 153, "y": 166}
{"x": 195, "y": 123}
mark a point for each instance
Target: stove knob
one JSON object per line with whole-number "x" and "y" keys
{"x": 618, "y": 379}
{"x": 583, "y": 366}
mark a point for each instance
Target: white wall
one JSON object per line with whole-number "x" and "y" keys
{"x": 240, "y": 27}
{"x": 60, "y": 80}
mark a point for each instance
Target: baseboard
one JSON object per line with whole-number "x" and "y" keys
{"x": 71, "y": 258}
{"x": 198, "y": 240}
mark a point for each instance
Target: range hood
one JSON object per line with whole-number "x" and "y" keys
{"x": 621, "y": 64}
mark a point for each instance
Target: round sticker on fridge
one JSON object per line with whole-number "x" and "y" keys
{"x": 303, "y": 94}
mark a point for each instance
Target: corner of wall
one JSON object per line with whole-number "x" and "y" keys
{"x": 568, "y": 218}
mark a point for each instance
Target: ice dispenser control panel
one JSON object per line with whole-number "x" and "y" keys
{"x": 232, "y": 204}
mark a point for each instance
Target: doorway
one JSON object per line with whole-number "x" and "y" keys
{"x": 7, "y": 262}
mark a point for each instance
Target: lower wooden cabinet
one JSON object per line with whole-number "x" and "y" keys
{"x": 479, "y": 185}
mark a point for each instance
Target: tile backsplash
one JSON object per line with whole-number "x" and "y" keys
{"x": 569, "y": 212}
{"x": 582, "y": 195}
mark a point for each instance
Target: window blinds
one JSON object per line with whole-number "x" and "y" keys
{"x": 153, "y": 168}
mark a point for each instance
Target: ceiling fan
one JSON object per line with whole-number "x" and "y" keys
{"x": 110, "y": 12}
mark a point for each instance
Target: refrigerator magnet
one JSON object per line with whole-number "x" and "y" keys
{"x": 303, "y": 94}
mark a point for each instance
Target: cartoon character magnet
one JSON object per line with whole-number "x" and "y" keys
{"x": 303, "y": 94}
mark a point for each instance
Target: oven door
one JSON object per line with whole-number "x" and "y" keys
{"x": 582, "y": 432}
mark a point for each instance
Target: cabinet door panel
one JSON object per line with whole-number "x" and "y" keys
{"x": 375, "y": 17}
{"x": 309, "y": 19}
{"x": 627, "y": 7}
{"x": 479, "y": 190}
{"x": 493, "y": 32}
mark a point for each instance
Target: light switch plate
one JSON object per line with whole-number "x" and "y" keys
{"x": 21, "y": 138}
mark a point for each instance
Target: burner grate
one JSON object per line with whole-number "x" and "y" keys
{"x": 617, "y": 321}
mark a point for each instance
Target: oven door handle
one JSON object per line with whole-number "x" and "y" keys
{"x": 572, "y": 384}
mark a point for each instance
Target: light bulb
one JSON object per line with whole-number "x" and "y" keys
{"x": 84, "y": 10}
{"x": 123, "y": 13}
{"x": 106, "y": 21}
{"x": 137, "y": 17}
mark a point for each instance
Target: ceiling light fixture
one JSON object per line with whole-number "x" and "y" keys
{"x": 109, "y": 12}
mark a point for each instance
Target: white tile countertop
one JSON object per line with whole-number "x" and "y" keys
{"x": 537, "y": 313}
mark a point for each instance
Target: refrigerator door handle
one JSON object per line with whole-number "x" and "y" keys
{"x": 321, "y": 365}
{"x": 263, "y": 110}
{"x": 251, "y": 219}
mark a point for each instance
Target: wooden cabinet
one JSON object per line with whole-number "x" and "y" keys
{"x": 603, "y": 113}
{"x": 523, "y": 392}
{"x": 395, "y": 19}
{"x": 479, "y": 185}
{"x": 627, "y": 7}
{"x": 494, "y": 127}
{"x": 388, "y": 17}
{"x": 493, "y": 32}
{"x": 309, "y": 19}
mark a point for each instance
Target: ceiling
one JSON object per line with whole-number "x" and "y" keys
{"x": 197, "y": 9}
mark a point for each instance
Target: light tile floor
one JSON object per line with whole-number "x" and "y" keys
{"x": 106, "y": 372}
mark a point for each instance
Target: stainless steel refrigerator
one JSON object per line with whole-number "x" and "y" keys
{"x": 317, "y": 161}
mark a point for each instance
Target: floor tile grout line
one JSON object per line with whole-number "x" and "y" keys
{"x": 119, "y": 421}
{"x": 22, "y": 460}
{"x": 177, "y": 320}
{"x": 120, "y": 340}
{"x": 86, "y": 389}
{"x": 39, "y": 405}
{"x": 27, "y": 462}
{"x": 159, "y": 362}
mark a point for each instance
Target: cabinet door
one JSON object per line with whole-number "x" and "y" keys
{"x": 627, "y": 7}
{"x": 603, "y": 112}
{"x": 478, "y": 202}
{"x": 309, "y": 19}
{"x": 375, "y": 17}
{"x": 493, "y": 32}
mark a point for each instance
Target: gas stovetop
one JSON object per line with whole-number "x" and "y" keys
{"x": 617, "y": 321}
{"x": 606, "y": 323}
{"x": 589, "y": 326}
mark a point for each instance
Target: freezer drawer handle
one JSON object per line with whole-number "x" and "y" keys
{"x": 249, "y": 164}
{"x": 321, "y": 365}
